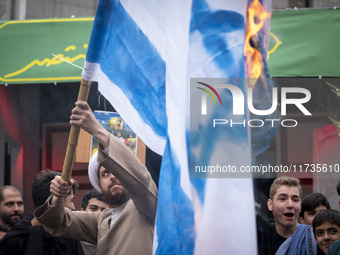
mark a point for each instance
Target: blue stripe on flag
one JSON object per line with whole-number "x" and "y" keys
{"x": 175, "y": 210}
{"x": 175, "y": 218}
{"x": 128, "y": 59}
{"x": 213, "y": 27}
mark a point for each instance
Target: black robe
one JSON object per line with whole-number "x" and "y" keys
{"x": 26, "y": 239}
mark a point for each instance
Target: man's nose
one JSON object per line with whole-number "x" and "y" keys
{"x": 112, "y": 177}
{"x": 289, "y": 203}
{"x": 16, "y": 207}
{"x": 327, "y": 236}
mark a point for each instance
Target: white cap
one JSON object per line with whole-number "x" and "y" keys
{"x": 93, "y": 172}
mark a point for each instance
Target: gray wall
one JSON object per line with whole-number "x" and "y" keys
{"x": 37, "y": 9}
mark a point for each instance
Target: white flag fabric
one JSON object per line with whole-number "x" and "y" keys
{"x": 143, "y": 54}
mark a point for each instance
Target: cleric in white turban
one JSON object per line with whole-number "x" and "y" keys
{"x": 93, "y": 171}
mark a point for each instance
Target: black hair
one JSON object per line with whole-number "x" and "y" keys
{"x": 338, "y": 188}
{"x": 41, "y": 186}
{"x": 93, "y": 193}
{"x": 311, "y": 201}
{"x": 329, "y": 215}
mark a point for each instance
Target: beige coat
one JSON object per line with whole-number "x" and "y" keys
{"x": 132, "y": 232}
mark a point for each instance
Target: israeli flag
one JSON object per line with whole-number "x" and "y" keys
{"x": 143, "y": 54}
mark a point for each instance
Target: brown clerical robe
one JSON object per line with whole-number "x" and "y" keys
{"x": 132, "y": 232}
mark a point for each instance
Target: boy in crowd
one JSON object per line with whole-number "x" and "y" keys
{"x": 92, "y": 201}
{"x": 326, "y": 228}
{"x": 285, "y": 236}
{"x": 311, "y": 205}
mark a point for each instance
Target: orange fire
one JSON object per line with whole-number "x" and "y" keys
{"x": 257, "y": 16}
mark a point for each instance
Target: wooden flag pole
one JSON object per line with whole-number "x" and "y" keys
{"x": 74, "y": 135}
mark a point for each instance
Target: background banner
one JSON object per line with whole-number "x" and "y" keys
{"x": 302, "y": 43}
{"x": 27, "y": 46}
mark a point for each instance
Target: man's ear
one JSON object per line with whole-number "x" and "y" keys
{"x": 302, "y": 220}
{"x": 270, "y": 204}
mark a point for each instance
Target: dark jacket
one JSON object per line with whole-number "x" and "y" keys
{"x": 27, "y": 239}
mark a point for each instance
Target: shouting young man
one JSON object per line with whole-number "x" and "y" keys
{"x": 285, "y": 235}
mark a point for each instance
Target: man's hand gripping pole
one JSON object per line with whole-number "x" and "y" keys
{"x": 74, "y": 135}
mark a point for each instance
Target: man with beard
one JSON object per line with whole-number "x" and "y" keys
{"x": 11, "y": 208}
{"x": 28, "y": 235}
{"x": 127, "y": 226}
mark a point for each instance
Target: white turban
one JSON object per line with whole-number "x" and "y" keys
{"x": 93, "y": 172}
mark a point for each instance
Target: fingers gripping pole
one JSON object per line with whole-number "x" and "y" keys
{"x": 74, "y": 135}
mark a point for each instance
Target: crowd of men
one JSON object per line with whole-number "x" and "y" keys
{"x": 118, "y": 215}
{"x": 319, "y": 225}
{"x": 128, "y": 201}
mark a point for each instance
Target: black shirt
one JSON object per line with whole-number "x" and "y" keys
{"x": 268, "y": 241}
{"x": 26, "y": 239}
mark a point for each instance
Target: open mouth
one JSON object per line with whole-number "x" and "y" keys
{"x": 289, "y": 215}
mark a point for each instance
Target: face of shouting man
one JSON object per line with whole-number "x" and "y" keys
{"x": 11, "y": 207}
{"x": 286, "y": 206}
{"x": 113, "y": 192}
